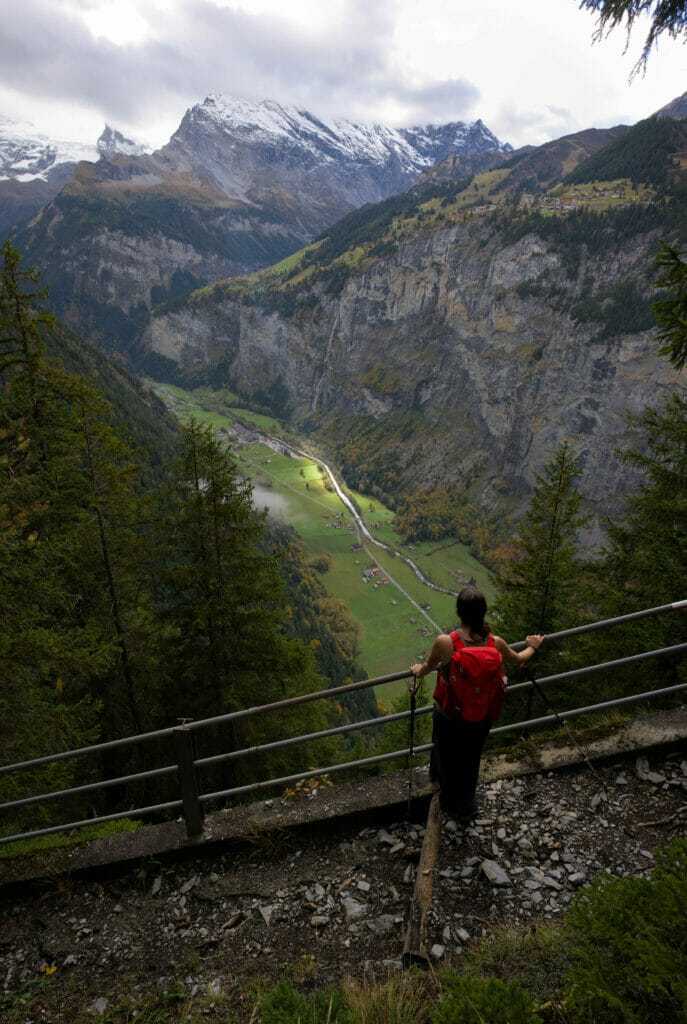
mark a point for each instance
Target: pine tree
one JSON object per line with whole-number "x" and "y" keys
{"x": 645, "y": 563}
{"x": 538, "y": 586}
{"x": 76, "y": 625}
{"x": 671, "y": 312}
{"x": 222, "y": 606}
{"x": 43, "y": 650}
{"x": 109, "y": 513}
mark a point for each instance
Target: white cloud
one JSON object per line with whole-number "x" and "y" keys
{"x": 529, "y": 70}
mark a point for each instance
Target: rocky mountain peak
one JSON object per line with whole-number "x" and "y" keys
{"x": 676, "y": 109}
{"x": 113, "y": 143}
{"x": 280, "y": 129}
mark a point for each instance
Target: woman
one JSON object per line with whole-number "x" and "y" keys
{"x": 458, "y": 743}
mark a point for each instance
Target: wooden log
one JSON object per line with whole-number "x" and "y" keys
{"x": 415, "y": 945}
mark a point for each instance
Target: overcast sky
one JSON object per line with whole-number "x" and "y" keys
{"x": 527, "y": 68}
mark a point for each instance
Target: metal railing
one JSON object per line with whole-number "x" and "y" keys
{"x": 186, "y": 764}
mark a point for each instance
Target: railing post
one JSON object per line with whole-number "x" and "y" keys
{"x": 185, "y": 755}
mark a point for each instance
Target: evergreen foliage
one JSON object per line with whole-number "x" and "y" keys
{"x": 629, "y": 962}
{"x": 38, "y": 710}
{"x": 642, "y": 154}
{"x": 586, "y": 230}
{"x": 467, "y": 1000}
{"x": 619, "y": 309}
{"x": 671, "y": 312}
{"x": 538, "y": 586}
{"x": 221, "y": 598}
{"x": 664, "y": 16}
{"x": 645, "y": 556}
{"x": 124, "y": 607}
{"x": 541, "y": 584}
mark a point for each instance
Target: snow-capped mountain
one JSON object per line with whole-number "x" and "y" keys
{"x": 112, "y": 143}
{"x": 27, "y": 155}
{"x": 292, "y": 138}
{"x": 238, "y": 186}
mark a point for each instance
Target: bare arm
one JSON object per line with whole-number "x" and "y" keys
{"x": 534, "y": 642}
{"x": 441, "y": 652}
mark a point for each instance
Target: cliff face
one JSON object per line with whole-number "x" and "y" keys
{"x": 468, "y": 332}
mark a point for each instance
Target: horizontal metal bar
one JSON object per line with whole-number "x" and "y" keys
{"x": 90, "y": 787}
{"x": 314, "y": 772}
{"x": 310, "y": 774}
{"x": 363, "y": 684}
{"x": 125, "y": 741}
{"x": 136, "y": 813}
{"x": 304, "y": 698}
{"x": 291, "y": 741}
{"x": 589, "y": 670}
{"x": 590, "y": 709}
{"x": 320, "y": 695}
{"x": 372, "y": 722}
{"x": 607, "y": 623}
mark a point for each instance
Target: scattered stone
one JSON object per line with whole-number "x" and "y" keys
{"x": 547, "y": 843}
{"x": 354, "y": 910}
{"x": 99, "y": 1006}
{"x": 384, "y": 923}
{"x": 266, "y": 913}
{"x": 494, "y": 872}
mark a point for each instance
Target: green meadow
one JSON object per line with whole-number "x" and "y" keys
{"x": 298, "y": 490}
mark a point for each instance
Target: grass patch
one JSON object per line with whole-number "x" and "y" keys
{"x": 58, "y": 841}
{"x": 299, "y": 491}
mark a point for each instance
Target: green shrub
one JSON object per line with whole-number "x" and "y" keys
{"x": 630, "y": 946}
{"x": 484, "y": 1001}
{"x": 284, "y": 1005}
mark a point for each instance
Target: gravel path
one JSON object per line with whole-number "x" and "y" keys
{"x": 338, "y": 906}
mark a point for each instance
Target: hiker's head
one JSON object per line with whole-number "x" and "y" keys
{"x": 471, "y": 608}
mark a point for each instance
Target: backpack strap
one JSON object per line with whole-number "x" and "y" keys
{"x": 458, "y": 642}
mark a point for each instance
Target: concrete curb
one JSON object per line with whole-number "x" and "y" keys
{"x": 377, "y": 800}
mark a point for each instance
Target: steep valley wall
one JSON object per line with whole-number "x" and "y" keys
{"x": 469, "y": 333}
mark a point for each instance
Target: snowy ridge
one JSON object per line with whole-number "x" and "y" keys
{"x": 28, "y": 155}
{"x": 112, "y": 143}
{"x": 269, "y": 123}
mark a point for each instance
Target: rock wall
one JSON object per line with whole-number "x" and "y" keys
{"x": 445, "y": 328}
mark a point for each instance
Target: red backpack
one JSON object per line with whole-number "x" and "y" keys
{"x": 472, "y": 685}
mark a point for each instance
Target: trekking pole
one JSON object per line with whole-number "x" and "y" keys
{"x": 411, "y": 752}
{"x": 529, "y": 672}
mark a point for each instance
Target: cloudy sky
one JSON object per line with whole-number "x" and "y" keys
{"x": 528, "y": 68}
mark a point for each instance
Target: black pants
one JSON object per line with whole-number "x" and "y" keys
{"x": 455, "y": 762}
